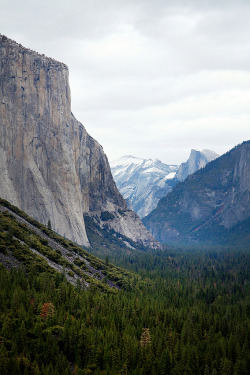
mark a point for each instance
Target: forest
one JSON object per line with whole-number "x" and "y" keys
{"x": 186, "y": 312}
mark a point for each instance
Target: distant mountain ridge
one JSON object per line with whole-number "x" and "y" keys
{"x": 143, "y": 182}
{"x": 212, "y": 205}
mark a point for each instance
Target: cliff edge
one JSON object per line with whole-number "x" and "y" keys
{"x": 50, "y": 167}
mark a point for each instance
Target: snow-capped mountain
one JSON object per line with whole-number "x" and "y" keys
{"x": 143, "y": 182}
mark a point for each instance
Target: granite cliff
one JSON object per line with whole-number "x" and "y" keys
{"x": 196, "y": 161}
{"x": 211, "y": 205}
{"x": 50, "y": 167}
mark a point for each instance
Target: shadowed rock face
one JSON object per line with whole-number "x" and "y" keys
{"x": 208, "y": 204}
{"x": 49, "y": 166}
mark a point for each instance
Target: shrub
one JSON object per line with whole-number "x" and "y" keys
{"x": 106, "y": 215}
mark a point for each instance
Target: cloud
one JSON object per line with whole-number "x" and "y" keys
{"x": 149, "y": 78}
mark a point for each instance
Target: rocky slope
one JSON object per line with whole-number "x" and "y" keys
{"x": 143, "y": 182}
{"x": 26, "y": 243}
{"x": 50, "y": 167}
{"x": 212, "y": 204}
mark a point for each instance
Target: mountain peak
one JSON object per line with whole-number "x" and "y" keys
{"x": 142, "y": 181}
{"x": 126, "y": 160}
{"x": 210, "y": 155}
{"x": 197, "y": 159}
{"x": 210, "y": 204}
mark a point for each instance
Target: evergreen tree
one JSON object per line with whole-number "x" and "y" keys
{"x": 49, "y": 225}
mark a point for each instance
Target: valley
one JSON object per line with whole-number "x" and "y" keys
{"x": 76, "y": 322}
{"x": 86, "y": 286}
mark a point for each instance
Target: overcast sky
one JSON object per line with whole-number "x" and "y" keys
{"x": 149, "y": 78}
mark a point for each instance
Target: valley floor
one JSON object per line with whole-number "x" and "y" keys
{"x": 187, "y": 313}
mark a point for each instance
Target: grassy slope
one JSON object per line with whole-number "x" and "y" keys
{"x": 34, "y": 249}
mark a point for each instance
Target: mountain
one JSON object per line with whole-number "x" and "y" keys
{"x": 211, "y": 205}
{"x": 49, "y": 165}
{"x": 196, "y": 160}
{"x": 142, "y": 181}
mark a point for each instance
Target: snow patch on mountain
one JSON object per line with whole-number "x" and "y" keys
{"x": 143, "y": 182}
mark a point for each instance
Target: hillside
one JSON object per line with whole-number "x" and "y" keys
{"x": 212, "y": 205}
{"x": 25, "y": 242}
{"x": 188, "y": 312}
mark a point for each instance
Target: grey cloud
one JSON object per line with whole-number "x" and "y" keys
{"x": 140, "y": 65}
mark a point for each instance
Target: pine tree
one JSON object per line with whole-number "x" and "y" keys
{"x": 3, "y": 360}
{"x": 49, "y": 225}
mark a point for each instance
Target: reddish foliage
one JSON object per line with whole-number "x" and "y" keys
{"x": 47, "y": 310}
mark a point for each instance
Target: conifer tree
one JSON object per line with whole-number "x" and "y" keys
{"x": 49, "y": 225}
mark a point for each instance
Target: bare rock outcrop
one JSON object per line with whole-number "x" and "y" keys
{"x": 49, "y": 166}
{"x": 196, "y": 161}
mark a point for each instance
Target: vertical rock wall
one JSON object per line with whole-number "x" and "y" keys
{"x": 49, "y": 166}
{"x": 36, "y": 132}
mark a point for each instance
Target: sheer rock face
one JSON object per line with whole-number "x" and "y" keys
{"x": 196, "y": 161}
{"x": 49, "y": 166}
{"x": 209, "y": 202}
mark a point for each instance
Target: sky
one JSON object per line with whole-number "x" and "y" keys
{"x": 148, "y": 78}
